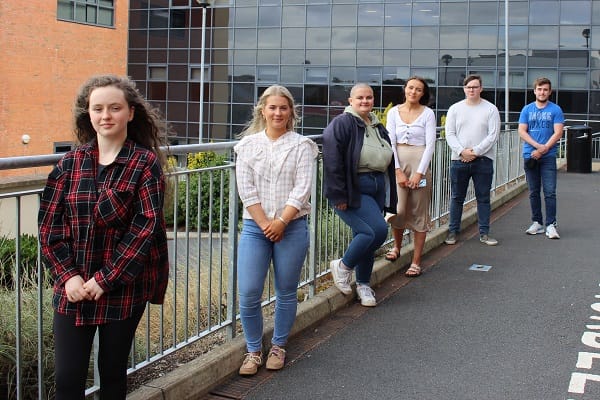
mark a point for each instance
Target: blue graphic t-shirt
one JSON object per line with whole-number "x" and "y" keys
{"x": 540, "y": 125}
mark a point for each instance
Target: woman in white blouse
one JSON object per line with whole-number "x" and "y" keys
{"x": 274, "y": 169}
{"x": 412, "y": 131}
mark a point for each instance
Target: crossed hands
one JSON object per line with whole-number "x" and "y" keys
{"x": 404, "y": 182}
{"x": 539, "y": 151}
{"x": 78, "y": 290}
{"x": 274, "y": 230}
{"x": 467, "y": 155}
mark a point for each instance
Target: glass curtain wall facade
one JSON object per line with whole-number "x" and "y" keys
{"x": 320, "y": 48}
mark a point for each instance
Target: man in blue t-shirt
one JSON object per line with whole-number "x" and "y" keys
{"x": 541, "y": 126}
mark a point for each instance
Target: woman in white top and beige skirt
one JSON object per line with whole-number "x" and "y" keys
{"x": 412, "y": 131}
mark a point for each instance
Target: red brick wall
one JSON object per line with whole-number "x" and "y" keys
{"x": 44, "y": 61}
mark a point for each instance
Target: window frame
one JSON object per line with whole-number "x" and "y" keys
{"x": 97, "y": 7}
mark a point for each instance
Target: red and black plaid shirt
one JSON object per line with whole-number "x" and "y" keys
{"x": 113, "y": 231}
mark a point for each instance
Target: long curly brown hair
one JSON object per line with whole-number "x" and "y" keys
{"x": 147, "y": 127}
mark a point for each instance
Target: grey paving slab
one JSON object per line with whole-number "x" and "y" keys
{"x": 513, "y": 332}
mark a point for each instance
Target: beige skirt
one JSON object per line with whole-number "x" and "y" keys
{"x": 413, "y": 204}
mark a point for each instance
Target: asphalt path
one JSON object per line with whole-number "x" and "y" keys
{"x": 528, "y": 328}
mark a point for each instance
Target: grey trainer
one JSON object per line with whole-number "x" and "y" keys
{"x": 485, "y": 239}
{"x": 451, "y": 238}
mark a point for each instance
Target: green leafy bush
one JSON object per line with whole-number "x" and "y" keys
{"x": 382, "y": 114}
{"x": 443, "y": 125}
{"x": 8, "y": 258}
{"x": 207, "y": 190}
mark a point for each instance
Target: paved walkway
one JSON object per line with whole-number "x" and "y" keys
{"x": 522, "y": 330}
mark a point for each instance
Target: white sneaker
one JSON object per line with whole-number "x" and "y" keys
{"x": 551, "y": 232}
{"x": 366, "y": 295}
{"x": 341, "y": 276}
{"x": 535, "y": 228}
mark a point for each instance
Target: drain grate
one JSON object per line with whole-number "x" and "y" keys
{"x": 480, "y": 267}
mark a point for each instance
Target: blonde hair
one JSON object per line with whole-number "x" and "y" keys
{"x": 258, "y": 123}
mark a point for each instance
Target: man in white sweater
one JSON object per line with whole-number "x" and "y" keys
{"x": 472, "y": 127}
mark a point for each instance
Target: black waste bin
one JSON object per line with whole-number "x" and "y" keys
{"x": 579, "y": 149}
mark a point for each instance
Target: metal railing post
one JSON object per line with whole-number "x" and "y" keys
{"x": 18, "y": 333}
{"x": 233, "y": 243}
{"x": 313, "y": 229}
{"x": 40, "y": 323}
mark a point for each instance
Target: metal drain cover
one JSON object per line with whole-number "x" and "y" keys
{"x": 480, "y": 267}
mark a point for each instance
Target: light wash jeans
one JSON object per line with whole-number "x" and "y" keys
{"x": 542, "y": 176}
{"x": 368, "y": 226}
{"x": 255, "y": 253}
{"x": 481, "y": 170}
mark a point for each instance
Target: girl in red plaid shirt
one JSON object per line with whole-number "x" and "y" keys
{"x": 102, "y": 234}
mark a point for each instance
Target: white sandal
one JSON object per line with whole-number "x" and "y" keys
{"x": 413, "y": 271}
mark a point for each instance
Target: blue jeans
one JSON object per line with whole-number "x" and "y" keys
{"x": 543, "y": 175}
{"x": 255, "y": 253}
{"x": 481, "y": 170}
{"x": 369, "y": 229}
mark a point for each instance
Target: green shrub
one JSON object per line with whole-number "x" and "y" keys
{"x": 382, "y": 114}
{"x": 443, "y": 125}
{"x": 211, "y": 187}
{"x": 28, "y": 260}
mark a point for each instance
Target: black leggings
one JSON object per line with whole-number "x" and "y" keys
{"x": 72, "y": 347}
